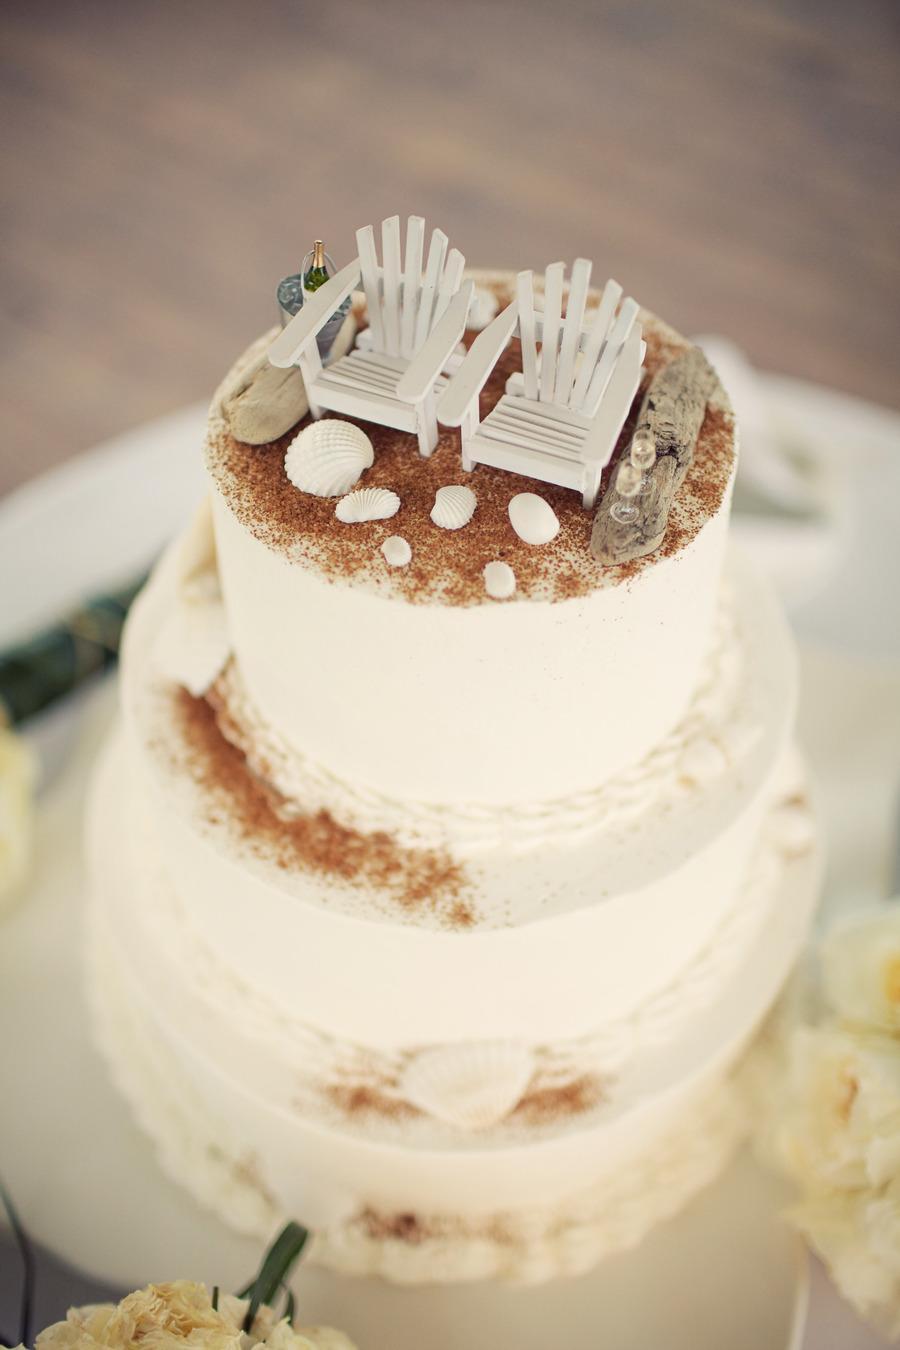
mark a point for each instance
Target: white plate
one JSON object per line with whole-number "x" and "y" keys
{"x": 726, "y": 1272}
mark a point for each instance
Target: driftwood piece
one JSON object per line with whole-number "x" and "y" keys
{"x": 672, "y": 414}
{"x": 268, "y": 401}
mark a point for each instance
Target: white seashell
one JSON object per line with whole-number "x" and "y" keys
{"x": 328, "y": 457}
{"x": 499, "y": 580}
{"x": 193, "y": 644}
{"x": 483, "y": 308}
{"x": 196, "y": 551}
{"x": 470, "y": 1086}
{"x": 203, "y": 588}
{"x": 533, "y": 519}
{"x": 367, "y": 504}
{"x": 396, "y": 550}
{"x": 454, "y": 507}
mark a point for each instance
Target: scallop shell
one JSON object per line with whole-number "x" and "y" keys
{"x": 328, "y": 457}
{"x": 193, "y": 645}
{"x": 367, "y": 504}
{"x": 454, "y": 507}
{"x": 499, "y": 580}
{"x": 532, "y": 518}
{"x": 396, "y": 550}
{"x": 470, "y": 1086}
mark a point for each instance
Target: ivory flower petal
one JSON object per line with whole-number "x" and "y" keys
{"x": 861, "y": 969}
{"x": 826, "y": 1085}
{"x": 180, "y": 1315}
{"x": 858, "y": 1237}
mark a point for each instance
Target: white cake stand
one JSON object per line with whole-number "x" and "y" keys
{"x": 726, "y": 1272}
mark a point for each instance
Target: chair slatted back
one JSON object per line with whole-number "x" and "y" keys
{"x": 577, "y": 358}
{"x": 404, "y": 301}
{"x": 553, "y": 284}
{"x": 525, "y": 303}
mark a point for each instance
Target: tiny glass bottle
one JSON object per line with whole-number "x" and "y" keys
{"x": 316, "y": 274}
{"x": 317, "y": 267}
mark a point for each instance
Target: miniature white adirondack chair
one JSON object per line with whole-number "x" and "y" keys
{"x": 559, "y": 419}
{"x": 417, "y": 318}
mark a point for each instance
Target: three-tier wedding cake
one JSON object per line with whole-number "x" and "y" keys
{"x": 431, "y": 908}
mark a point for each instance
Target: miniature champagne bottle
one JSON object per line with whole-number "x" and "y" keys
{"x": 317, "y": 273}
{"x": 315, "y": 270}
{"x": 317, "y": 267}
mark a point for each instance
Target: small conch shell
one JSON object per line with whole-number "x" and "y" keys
{"x": 328, "y": 457}
{"x": 454, "y": 507}
{"x": 396, "y": 550}
{"x": 532, "y": 518}
{"x": 499, "y": 580}
{"x": 470, "y": 1086}
{"x": 367, "y": 504}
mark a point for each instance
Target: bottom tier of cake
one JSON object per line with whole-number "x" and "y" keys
{"x": 550, "y": 1201}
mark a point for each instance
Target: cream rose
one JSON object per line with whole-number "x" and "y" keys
{"x": 839, "y": 1122}
{"x": 18, "y": 773}
{"x": 861, "y": 969}
{"x": 825, "y": 1084}
{"x": 858, "y": 1237}
{"x": 177, "y": 1315}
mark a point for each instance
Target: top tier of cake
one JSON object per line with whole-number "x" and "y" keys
{"x": 410, "y": 681}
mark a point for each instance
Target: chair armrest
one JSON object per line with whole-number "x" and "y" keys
{"x": 316, "y": 310}
{"x": 614, "y": 406}
{"x": 484, "y": 353}
{"x": 419, "y": 377}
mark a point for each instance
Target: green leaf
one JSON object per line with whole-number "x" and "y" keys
{"x": 276, "y": 1266}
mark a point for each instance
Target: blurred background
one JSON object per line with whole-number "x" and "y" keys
{"x": 734, "y": 165}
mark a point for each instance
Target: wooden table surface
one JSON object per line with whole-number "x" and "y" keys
{"x": 735, "y": 165}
